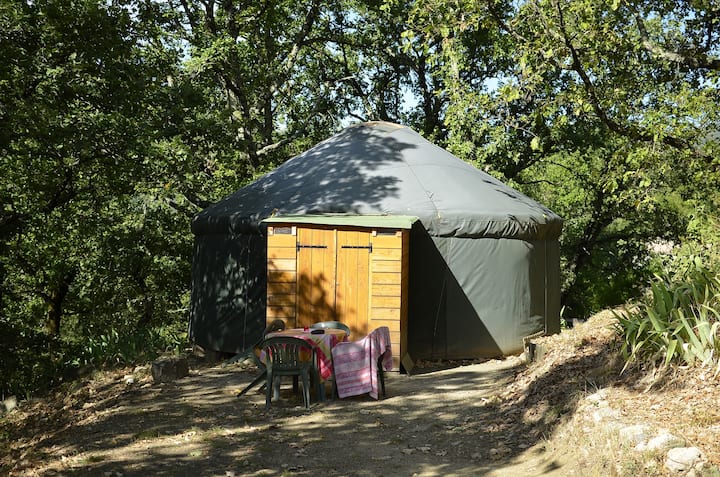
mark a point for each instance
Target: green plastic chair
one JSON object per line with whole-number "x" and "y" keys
{"x": 254, "y": 352}
{"x": 284, "y": 357}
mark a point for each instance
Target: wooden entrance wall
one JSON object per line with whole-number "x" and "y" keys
{"x": 358, "y": 276}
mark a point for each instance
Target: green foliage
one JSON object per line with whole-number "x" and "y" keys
{"x": 679, "y": 323}
{"x": 120, "y": 120}
{"x": 35, "y": 361}
{"x": 112, "y": 348}
{"x": 599, "y": 110}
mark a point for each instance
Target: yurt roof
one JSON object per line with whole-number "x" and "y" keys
{"x": 384, "y": 169}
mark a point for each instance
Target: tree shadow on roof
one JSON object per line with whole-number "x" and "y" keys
{"x": 339, "y": 175}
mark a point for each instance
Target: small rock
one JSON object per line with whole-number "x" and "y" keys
{"x": 129, "y": 379}
{"x": 684, "y": 459}
{"x": 634, "y": 435}
{"x": 605, "y": 414}
{"x": 9, "y": 404}
{"x": 662, "y": 441}
{"x": 597, "y": 397}
{"x": 169, "y": 368}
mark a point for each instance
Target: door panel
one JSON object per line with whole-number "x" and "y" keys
{"x": 316, "y": 275}
{"x": 352, "y": 294}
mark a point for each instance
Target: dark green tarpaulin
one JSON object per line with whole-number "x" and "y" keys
{"x": 484, "y": 258}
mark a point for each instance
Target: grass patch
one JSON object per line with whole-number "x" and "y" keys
{"x": 93, "y": 459}
{"x": 147, "y": 435}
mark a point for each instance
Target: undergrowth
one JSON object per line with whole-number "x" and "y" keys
{"x": 34, "y": 362}
{"x": 678, "y": 323}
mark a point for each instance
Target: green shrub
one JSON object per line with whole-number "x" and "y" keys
{"x": 34, "y": 361}
{"x": 678, "y": 323}
{"x": 115, "y": 348}
{"x": 30, "y": 361}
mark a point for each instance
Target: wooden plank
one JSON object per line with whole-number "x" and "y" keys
{"x": 281, "y": 288}
{"x": 379, "y": 289}
{"x": 281, "y": 276}
{"x": 287, "y": 264}
{"x": 386, "y": 302}
{"x": 386, "y": 278}
{"x": 281, "y": 240}
{"x": 393, "y": 325}
{"x": 386, "y": 241}
{"x": 345, "y": 292}
{"x": 282, "y": 252}
{"x": 281, "y": 312}
{"x": 316, "y": 275}
{"x": 385, "y": 314}
{"x": 352, "y": 282}
{"x": 383, "y": 266}
{"x": 282, "y": 300}
{"x": 363, "y": 276}
{"x": 323, "y": 292}
{"x": 386, "y": 254}
{"x": 403, "y": 348}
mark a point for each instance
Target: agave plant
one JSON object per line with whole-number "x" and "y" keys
{"x": 678, "y": 323}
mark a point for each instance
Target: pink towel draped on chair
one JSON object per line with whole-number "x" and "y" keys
{"x": 355, "y": 364}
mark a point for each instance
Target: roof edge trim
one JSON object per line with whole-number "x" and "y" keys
{"x": 349, "y": 220}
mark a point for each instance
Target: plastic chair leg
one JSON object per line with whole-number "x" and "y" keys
{"x": 381, "y": 376}
{"x": 382, "y": 381}
{"x": 276, "y": 387}
{"x": 319, "y": 385}
{"x": 258, "y": 379}
{"x": 306, "y": 390}
{"x": 269, "y": 389}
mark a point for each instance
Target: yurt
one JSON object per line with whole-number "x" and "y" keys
{"x": 376, "y": 226}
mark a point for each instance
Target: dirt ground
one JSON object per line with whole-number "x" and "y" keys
{"x": 494, "y": 418}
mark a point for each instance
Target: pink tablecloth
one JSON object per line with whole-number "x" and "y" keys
{"x": 323, "y": 343}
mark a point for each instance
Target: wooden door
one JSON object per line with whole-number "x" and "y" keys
{"x": 352, "y": 293}
{"x": 315, "y": 275}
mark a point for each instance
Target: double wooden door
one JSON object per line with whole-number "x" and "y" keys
{"x": 333, "y": 276}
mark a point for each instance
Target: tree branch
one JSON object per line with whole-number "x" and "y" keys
{"x": 697, "y": 61}
{"x": 614, "y": 126}
{"x": 300, "y": 37}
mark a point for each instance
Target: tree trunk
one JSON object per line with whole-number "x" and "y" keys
{"x": 55, "y": 303}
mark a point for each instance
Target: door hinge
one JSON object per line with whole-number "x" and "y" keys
{"x": 299, "y": 246}
{"x": 369, "y": 247}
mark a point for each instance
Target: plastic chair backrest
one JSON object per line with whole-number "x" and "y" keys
{"x": 287, "y": 353}
{"x": 275, "y": 325}
{"x": 332, "y": 325}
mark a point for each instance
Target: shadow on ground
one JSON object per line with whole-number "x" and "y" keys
{"x": 466, "y": 420}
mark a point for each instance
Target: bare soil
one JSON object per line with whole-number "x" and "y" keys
{"x": 495, "y": 418}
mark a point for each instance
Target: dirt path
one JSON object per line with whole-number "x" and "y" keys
{"x": 442, "y": 422}
{"x": 493, "y": 418}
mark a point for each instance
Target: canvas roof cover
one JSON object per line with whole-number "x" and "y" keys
{"x": 382, "y": 169}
